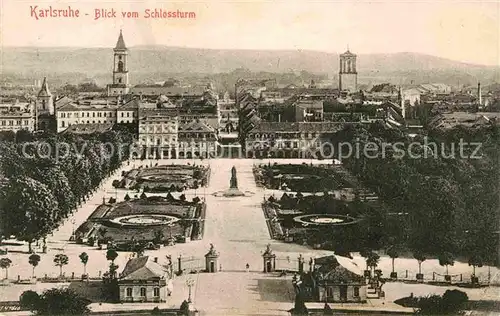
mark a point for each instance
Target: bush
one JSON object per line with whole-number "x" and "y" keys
{"x": 454, "y": 299}
{"x": 451, "y": 303}
{"x": 29, "y": 300}
{"x": 61, "y": 302}
{"x": 116, "y": 183}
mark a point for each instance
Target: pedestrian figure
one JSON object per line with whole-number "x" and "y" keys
{"x": 220, "y": 267}
{"x": 248, "y": 267}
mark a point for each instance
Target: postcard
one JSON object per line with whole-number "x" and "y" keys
{"x": 246, "y": 157}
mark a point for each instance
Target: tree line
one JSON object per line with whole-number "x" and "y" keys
{"x": 41, "y": 188}
{"x": 444, "y": 205}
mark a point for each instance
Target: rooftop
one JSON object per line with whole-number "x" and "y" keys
{"x": 142, "y": 268}
{"x": 89, "y": 128}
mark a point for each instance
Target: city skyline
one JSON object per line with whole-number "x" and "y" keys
{"x": 466, "y": 32}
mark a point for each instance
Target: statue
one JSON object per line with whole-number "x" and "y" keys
{"x": 233, "y": 183}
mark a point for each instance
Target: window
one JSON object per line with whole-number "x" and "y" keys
{"x": 143, "y": 291}
{"x": 129, "y": 292}
{"x": 93, "y": 114}
{"x": 62, "y": 124}
{"x": 356, "y": 291}
{"x": 128, "y": 114}
{"x": 122, "y": 114}
{"x": 105, "y": 114}
{"x": 156, "y": 292}
{"x": 329, "y": 292}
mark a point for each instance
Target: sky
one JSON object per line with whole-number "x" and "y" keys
{"x": 467, "y": 31}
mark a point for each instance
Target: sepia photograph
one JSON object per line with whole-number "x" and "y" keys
{"x": 249, "y": 157}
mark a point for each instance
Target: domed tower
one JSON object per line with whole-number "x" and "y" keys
{"x": 348, "y": 76}
{"x": 120, "y": 83}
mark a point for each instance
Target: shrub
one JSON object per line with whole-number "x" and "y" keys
{"x": 451, "y": 303}
{"x": 61, "y": 302}
{"x": 29, "y": 300}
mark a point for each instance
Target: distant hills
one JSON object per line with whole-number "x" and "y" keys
{"x": 157, "y": 62}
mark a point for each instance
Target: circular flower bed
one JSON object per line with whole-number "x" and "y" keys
{"x": 144, "y": 220}
{"x": 325, "y": 219}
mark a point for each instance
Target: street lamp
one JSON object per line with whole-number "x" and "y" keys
{"x": 73, "y": 232}
{"x": 190, "y": 284}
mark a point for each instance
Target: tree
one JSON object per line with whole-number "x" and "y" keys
{"x": 372, "y": 260}
{"x": 84, "y": 258}
{"x": 62, "y": 302}
{"x": 29, "y": 300}
{"x": 393, "y": 253}
{"x": 127, "y": 197}
{"x": 34, "y": 259}
{"x": 29, "y": 209}
{"x": 111, "y": 255}
{"x": 182, "y": 197}
{"x": 158, "y": 236}
{"x": 185, "y": 223}
{"x": 61, "y": 260}
{"x": 420, "y": 258}
{"x": 446, "y": 259}
{"x": 5, "y": 264}
{"x": 475, "y": 260}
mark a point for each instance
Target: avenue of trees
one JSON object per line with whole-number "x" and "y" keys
{"x": 444, "y": 205}
{"x": 41, "y": 187}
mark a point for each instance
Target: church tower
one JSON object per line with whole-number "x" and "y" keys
{"x": 348, "y": 76}
{"x": 120, "y": 83}
{"x": 44, "y": 107}
{"x": 45, "y": 102}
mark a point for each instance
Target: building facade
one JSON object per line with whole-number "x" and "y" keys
{"x": 334, "y": 279}
{"x": 158, "y": 129}
{"x": 15, "y": 118}
{"x": 71, "y": 113}
{"x": 348, "y": 76}
{"x": 289, "y": 139}
{"x": 144, "y": 280}
{"x": 197, "y": 140}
